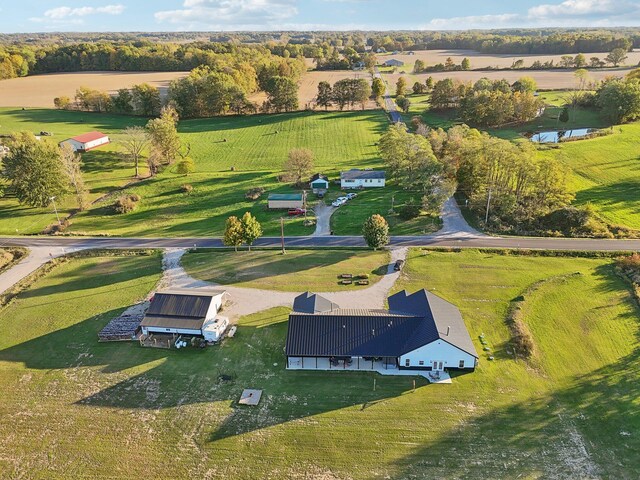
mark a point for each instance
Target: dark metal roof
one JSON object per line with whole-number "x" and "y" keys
{"x": 326, "y": 334}
{"x": 412, "y": 321}
{"x": 319, "y": 176}
{"x": 312, "y": 303}
{"x": 179, "y": 310}
{"x": 356, "y": 174}
{"x": 180, "y": 305}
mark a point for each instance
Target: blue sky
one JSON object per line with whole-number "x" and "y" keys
{"x": 166, "y": 15}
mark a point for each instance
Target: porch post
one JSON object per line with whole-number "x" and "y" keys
{"x": 302, "y": 360}
{"x": 316, "y": 363}
{"x": 358, "y": 363}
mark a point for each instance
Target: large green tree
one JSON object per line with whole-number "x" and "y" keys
{"x": 233, "y": 233}
{"x": 35, "y": 170}
{"x": 376, "y": 231}
{"x": 163, "y": 139}
{"x": 620, "y": 100}
{"x": 251, "y": 229}
{"x": 282, "y": 94}
{"x": 378, "y": 88}
{"x": 325, "y": 95}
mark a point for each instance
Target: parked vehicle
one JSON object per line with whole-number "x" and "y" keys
{"x": 398, "y": 265}
{"x": 297, "y": 211}
{"x": 342, "y": 199}
{"x": 338, "y": 203}
{"x": 351, "y": 196}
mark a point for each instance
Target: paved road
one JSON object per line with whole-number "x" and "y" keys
{"x": 449, "y": 240}
{"x": 390, "y": 104}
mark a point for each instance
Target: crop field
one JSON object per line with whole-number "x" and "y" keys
{"x": 40, "y": 90}
{"x": 79, "y": 408}
{"x": 313, "y": 270}
{"x": 546, "y": 79}
{"x": 482, "y": 60}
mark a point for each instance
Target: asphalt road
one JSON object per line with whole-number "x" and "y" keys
{"x": 390, "y": 104}
{"x": 464, "y": 241}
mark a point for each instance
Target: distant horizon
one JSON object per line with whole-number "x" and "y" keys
{"x": 222, "y": 16}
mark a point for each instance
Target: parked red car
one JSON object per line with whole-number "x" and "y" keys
{"x": 297, "y": 211}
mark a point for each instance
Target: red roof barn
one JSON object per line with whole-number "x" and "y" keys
{"x": 87, "y": 141}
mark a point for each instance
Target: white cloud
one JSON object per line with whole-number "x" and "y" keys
{"x": 565, "y": 14}
{"x": 225, "y": 14}
{"x": 59, "y": 13}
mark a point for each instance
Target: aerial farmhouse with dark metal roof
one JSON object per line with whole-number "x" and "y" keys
{"x": 420, "y": 331}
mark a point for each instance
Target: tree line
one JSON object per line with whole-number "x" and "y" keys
{"x": 348, "y": 91}
{"x": 508, "y": 186}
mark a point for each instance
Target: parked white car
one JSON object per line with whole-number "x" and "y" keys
{"x": 337, "y": 203}
{"x": 342, "y": 199}
{"x": 351, "y": 196}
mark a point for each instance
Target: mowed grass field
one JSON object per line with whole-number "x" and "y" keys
{"x": 313, "y": 270}
{"x": 103, "y": 168}
{"x": 255, "y": 148}
{"x": 79, "y": 408}
{"x": 606, "y": 173}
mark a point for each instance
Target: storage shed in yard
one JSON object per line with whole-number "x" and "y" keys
{"x": 421, "y": 332}
{"x": 285, "y": 200}
{"x": 319, "y": 183}
{"x": 87, "y": 141}
{"x": 186, "y": 312}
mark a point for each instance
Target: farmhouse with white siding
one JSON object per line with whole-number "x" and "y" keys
{"x": 420, "y": 332}
{"x": 186, "y": 312}
{"x": 87, "y": 141}
{"x": 356, "y": 178}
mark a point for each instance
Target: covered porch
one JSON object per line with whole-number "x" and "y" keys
{"x": 368, "y": 364}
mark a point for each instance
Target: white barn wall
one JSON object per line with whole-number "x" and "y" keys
{"x": 180, "y": 331}
{"x": 439, "y": 351}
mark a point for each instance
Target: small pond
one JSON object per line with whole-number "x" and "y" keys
{"x": 556, "y": 136}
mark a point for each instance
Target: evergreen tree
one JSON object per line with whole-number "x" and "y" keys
{"x": 376, "y": 231}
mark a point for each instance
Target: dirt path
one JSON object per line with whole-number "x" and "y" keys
{"x": 246, "y": 301}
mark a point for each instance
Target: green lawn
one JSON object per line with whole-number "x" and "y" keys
{"x": 349, "y": 218}
{"x": 606, "y": 173}
{"x": 339, "y": 140}
{"x": 313, "y": 270}
{"x": 103, "y": 169}
{"x": 78, "y": 408}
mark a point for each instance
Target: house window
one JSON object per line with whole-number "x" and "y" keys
{"x": 421, "y": 362}
{"x": 407, "y": 362}
{"x": 461, "y": 364}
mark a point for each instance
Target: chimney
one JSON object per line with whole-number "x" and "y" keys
{"x": 448, "y": 330}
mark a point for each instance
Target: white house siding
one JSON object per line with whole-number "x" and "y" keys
{"x": 180, "y": 331}
{"x": 437, "y": 351}
{"x": 363, "y": 183}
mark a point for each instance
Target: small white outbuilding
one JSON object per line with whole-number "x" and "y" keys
{"x": 87, "y": 141}
{"x": 186, "y": 312}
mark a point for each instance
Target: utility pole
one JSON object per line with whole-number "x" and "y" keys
{"x": 486, "y": 215}
{"x": 53, "y": 200}
{"x": 282, "y": 234}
